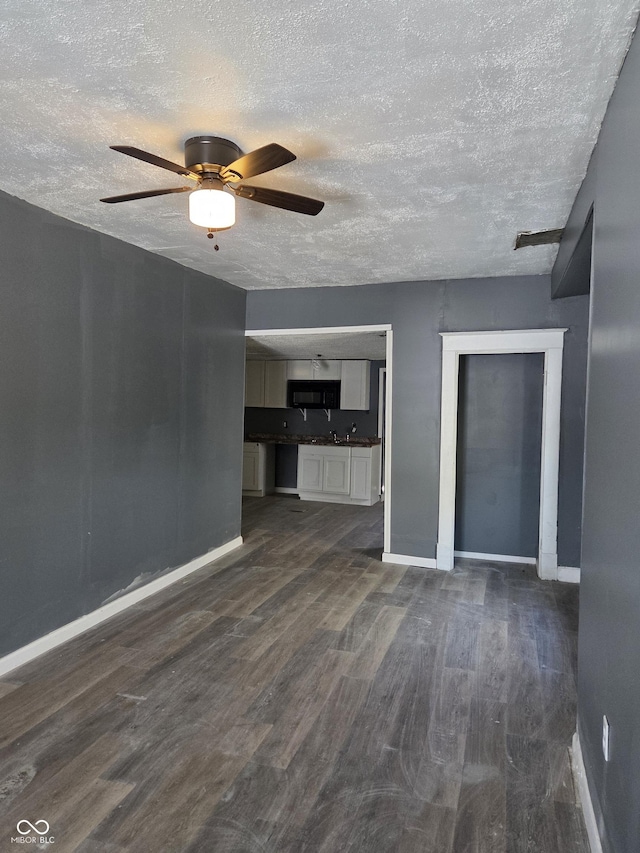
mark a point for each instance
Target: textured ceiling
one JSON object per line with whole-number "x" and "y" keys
{"x": 435, "y": 130}
{"x": 369, "y": 345}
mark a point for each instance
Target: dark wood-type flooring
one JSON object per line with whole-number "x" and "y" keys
{"x": 300, "y": 695}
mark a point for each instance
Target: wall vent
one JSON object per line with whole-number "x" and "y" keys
{"x": 538, "y": 238}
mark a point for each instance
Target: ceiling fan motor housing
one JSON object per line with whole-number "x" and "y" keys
{"x": 208, "y": 153}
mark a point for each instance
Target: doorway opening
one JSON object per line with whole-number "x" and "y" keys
{"x": 499, "y": 454}
{"x": 550, "y": 343}
{"x": 351, "y": 355}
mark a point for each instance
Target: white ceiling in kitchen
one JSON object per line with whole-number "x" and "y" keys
{"x": 357, "y": 345}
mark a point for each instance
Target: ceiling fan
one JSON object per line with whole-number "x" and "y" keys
{"x": 218, "y": 165}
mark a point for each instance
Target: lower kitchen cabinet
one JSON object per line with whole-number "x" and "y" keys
{"x": 349, "y": 475}
{"x": 310, "y": 471}
{"x": 361, "y": 480}
{"x": 336, "y": 473}
{"x": 258, "y": 469}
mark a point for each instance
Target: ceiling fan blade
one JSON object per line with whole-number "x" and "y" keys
{"x": 257, "y": 162}
{"x": 114, "y": 199}
{"x": 277, "y": 198}
{"x": 139, "y": 154}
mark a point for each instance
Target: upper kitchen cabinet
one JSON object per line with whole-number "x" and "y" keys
{"x": 354, "y": 388}
{"x": 323, "y": 369}
{"x": 266, "y": 381}
{"x": 299, "y": 369}
{"x": 266, "y": 384}
{"x": 275, "y": 384}
{"x": 314, "y": 369}
{"x": 254, "y": 383}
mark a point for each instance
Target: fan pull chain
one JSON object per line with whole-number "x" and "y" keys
{"x": 210, "y": 233}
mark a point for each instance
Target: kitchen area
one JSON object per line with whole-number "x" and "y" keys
{"x": 314, "y": 426}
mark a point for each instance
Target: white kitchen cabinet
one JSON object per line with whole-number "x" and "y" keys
{"x": 266, "y": 381}
{"x": 258, "y": 469}
{"x": 266, "y": 384}
{"x": 354, "y": 387}
{"x": 250, "y": 468}
{"x": 336, "y": 477}
{"x": 254, "y": 383}
{"x": 275, "y": 384}
{"x": 365, "y": 474}
{"x": 305, "y": 369}
{"x": 327, "y": 369}
{"x": 360, "y": 474}
{"x": 339, "y": 474}
{"x": 310, "y": 472}
{"x": 299, "y": 369}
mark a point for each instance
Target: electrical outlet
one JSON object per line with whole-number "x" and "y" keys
{"x": 606, "y": 739}
{"x": 284, "y": 424}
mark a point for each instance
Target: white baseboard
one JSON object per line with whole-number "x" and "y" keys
{"x": 568, "y": 574}
{"x": 72, "y": 629}
{"x": 404, "y": 560}
{"x": 582, "y": 785}
{"x": 285, "y": 490}
{"x": 495, "y": 558}
{"x": 327, "y": 498}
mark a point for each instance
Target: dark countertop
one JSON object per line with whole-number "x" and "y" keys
{"x": 325, "y": 440}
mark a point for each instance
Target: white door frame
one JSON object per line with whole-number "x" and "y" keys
{"x": 349, "y": 330}
{"x": 454, "y": 344}
{"x": 382, "y": 416}
{"x": 381, "y": 375}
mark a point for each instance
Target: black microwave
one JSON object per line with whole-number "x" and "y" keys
{"x": 313, "y": 394}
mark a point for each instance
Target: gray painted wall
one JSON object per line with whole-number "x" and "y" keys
{"x": 117, "y": 457}
{"x": 609, "y": 639}
{"x": 499, "y": 453}
{"x": 418, "y": 311}
{"x": 561, "y": 277}
{"x": 576, "y": 278}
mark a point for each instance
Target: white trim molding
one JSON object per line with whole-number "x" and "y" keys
{"x": 495, "y": 558}
{"x": 582, "y": 787}
{"x": 406, "y": 560}
{"x": 73, "y": 629}
{"x": 381, "y": 381}
{"x": 568, "y": 574}
{"x": 454, "y": 344}
{"x": 285, "y": 490}
{"x": 382, "y": 410}
{"x": 388, "y": 434}
{"x": 318, "y": 330}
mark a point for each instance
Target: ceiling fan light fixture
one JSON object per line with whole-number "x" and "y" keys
{"x": 212, "y": 208}
{"x": 210, "y": 205}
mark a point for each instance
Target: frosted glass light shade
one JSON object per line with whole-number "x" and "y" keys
{"x": 212, "y": 208}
